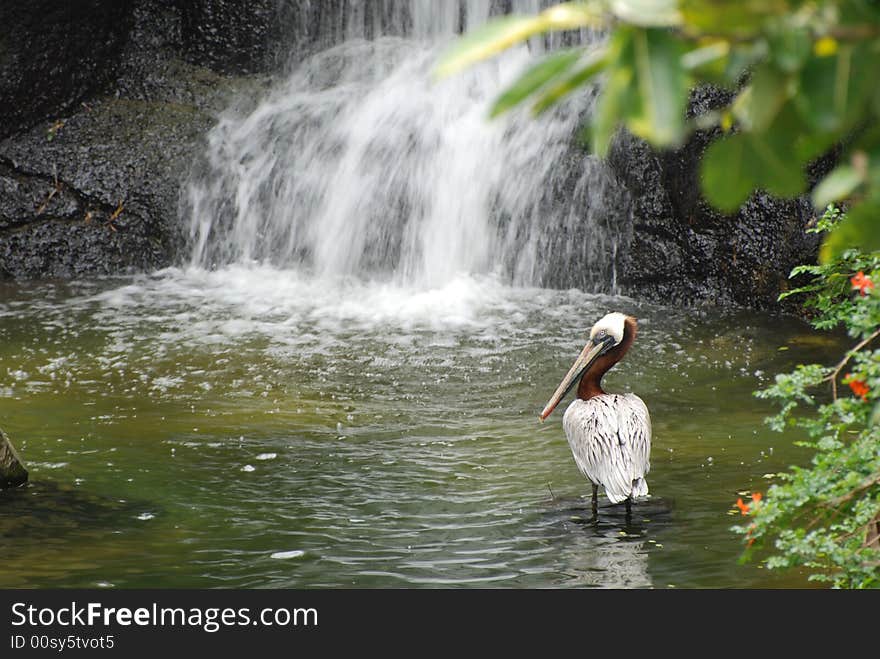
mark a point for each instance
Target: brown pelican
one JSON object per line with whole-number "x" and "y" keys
{"x": 609, "y": 434}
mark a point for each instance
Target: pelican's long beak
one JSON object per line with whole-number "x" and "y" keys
{"x": 582, "y": 363}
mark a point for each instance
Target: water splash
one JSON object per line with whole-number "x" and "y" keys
{"x": 359, "y": 164}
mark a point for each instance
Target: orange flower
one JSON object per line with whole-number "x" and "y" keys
{"x": 756, "y": 497}
{"x": 743, "y": 507}
{"x": 859, "y": 387}
{"x": 861, "y": 283}
{"x": 749, "y": 534}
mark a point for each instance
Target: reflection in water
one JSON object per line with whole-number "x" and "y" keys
{"x": 45, "y": 509}
{"x": 610, "y": 563}
{"x": 611, "y": 549}
{"x": 41, "y": 520}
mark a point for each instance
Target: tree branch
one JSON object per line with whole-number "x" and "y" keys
{"x": 864, "y": 485}
{"x": 843, "y": 362}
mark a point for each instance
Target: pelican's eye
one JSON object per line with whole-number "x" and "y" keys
{"x": 601, "y": 334}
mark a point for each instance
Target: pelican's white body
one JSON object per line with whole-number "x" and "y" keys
{"x": 610, "y": 438}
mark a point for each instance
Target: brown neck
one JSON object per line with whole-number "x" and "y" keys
{"x": 591, "y": 380}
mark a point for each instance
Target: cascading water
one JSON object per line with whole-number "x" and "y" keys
{"x": 360, "y": 164}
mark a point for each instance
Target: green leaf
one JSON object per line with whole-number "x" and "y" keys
{"x": 789, "y": 47}
{"x": 825, "y": 86}
{"x": 835, "y": 89}
{"x": 486, "y": 41}
{"x": 616, "y": 96}
{"x": 733, "y": 167}
{"x": 595, "y": 63}
{"x": 743, "y": 58}
{"x": 706, "y": 56}
{"x": 610, "y": 108}
{"x": 647, "y": 13}
{"x": 504, "y": 32}
{"x": 758, "y": 104}
{"x": 779, "y": 171}
{"x": 728, "y": 178}
{"x": 537, "y": 76}
{"x": 742, "y": 19}
{"x": 838, "y": 184}
{"x": 875, "y": 415}
{"x": 859, "y": 229}
{"x": 663, "y": 87}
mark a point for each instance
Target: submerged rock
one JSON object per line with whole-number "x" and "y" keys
{"x": 12, "y": 471}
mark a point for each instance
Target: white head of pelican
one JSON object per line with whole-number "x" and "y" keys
{"x": 609, "y": 434}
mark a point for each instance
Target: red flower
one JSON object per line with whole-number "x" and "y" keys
{"x": 861, "y": 283}
{"x": 743, "y": 507}
{"x": 756, "y": 497}
{"x": 859, "y": 387}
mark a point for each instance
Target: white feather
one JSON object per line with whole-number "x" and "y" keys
{"x": 612, "y": 324}
{"x": 610, "y": 438}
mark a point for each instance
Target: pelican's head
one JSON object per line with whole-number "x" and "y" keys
{"x": 605, "y": 335}
{"x": 609, "y": 327}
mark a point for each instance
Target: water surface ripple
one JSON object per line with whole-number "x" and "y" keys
{"x": 249, "y": 427}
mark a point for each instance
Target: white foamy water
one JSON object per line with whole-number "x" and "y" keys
{"x": 236, "y": 301}
{"x": 360, "y": 165}
{"x": 195, "y": 332}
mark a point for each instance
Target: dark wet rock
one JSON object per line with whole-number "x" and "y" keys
{"x": 12, "y": 471}
{"x": 683, "y": 250}
{"x": 101, "y": 197}
{"x": 232, "y": 36}
{"x": 53, "y": 55}
{"x": 89, "y": 184}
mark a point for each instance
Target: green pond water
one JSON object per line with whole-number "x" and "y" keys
{"x": 253, "y": 428}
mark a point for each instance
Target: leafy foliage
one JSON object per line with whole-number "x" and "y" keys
{"x": 803, "y": 72}
{"x": 827, "y": 517}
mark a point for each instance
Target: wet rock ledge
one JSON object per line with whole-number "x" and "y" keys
{"x": 104, "y": 104}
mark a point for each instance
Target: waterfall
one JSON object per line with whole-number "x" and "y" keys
{"x": 360, "y": 164}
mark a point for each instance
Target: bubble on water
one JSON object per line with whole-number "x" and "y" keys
{"x": 163, "y": 383}
{"x": 267, "y": 456}
{"x": 50, "y": 465}
{"x": 285, "y": 555}
{"x": 145, "y": 516}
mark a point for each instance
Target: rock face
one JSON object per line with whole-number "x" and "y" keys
{"x": 104, "y": 108}
{"x": 55, "y": 54}
{"x": 102, "y": 196}
{"x": 12, "y": 471}
{"x": 684, "y": 251}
